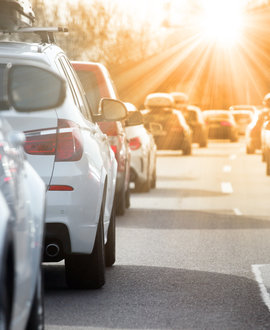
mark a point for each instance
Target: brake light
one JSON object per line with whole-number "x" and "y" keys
{"x": 40, "y": 142}
{"x": 225, "y": 123}
{"x": 114, "y": 149}
{"x": 65, "y": 142}
{"x": 135, "y": 143}
{"x": 69, "y": 141}
{"x": 60, "y": 188}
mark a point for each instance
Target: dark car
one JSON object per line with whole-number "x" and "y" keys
{"x": 97, "y": 84}
{"x": 221, "y": 125}
{"x": 167, "y": 125}
{"x": 195, "y": 120}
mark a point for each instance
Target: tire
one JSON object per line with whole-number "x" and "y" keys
{"x": 144, "y": 186}
{"x": 267, "y": 159}
{"x": 6, "y": 293}
{"x": 121, "y": 201}
{"x": 203, "y": 144}
{"x": 249, "y": 150}
{"x": 187, "y": 149}
{"x": 36, "y": 317}
{"x": 263, "y": 156}
{"x": 127, "y": 195}
{"x": 154, "y": 178}
{"x": 87, "y": 271}
{"x": 110, "y": 245}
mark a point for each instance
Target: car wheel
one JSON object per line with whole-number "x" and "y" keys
{"x": 144, "y": 186}
{"x": 36, "y": 317}
{"x": 127, "y": 194}
{"x": 187, "y": 149}
{"x": 87, "y": 271}
{"x": 263, "y": 155}
{"x": 110, "y": 245}
{"x": 6, "y": 293}
{"x": 249, "y": 150}
{"x": 154, "y": 178}
{"x": 267, "y": 159}
{"x": 203, "y": 144}
{"x": 121, "y": 201}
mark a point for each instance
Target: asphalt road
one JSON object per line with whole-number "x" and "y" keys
{"x": 191, "y": 254}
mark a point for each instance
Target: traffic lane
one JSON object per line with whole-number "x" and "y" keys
{"x": 145, "y": 297}
{"x": 162, "y": 243}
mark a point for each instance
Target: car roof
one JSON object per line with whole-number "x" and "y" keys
{"x": 27, "y": 51}
{"x": 216, "y": 111}
{"x": 248, "y": 112}
{"x": 193, "y": 108}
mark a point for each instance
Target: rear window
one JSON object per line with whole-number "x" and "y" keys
{"x": 240, "y": 117}
{"x": 217, "y": 116}
{"x": 90, "y": 85}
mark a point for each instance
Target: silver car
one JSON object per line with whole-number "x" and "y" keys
{"x": 22, "y": 199}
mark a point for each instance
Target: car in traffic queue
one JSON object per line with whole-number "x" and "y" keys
{"x": 195, "y": 120}
{"x": 143, "y": 151}
{"x": 242, "y": 118}
{"x": 22, "y": 197}
{"x": 167, "y": 125}
{"x": 221, "y": 125}
{"x": 73, "y": 157}
{"x": 266, "y": 148}
{"x": 254, "y": 132}
{"x": 97, "y": 83}
{"x": 254, "y": 109}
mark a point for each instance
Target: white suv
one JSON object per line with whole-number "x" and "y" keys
{"x": 74, "y": 158}
{"x": 22, "y": 200}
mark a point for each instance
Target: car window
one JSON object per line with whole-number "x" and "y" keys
{"x": 191, "y": 116}
{"x": 90, "y": 85}
{"x": 75, "y": 89}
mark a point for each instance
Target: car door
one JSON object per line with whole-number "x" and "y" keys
{"x": 95, "y": 132}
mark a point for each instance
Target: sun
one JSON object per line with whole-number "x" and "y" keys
{"x": 222, "y": 21}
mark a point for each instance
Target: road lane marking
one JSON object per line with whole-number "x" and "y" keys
{"x": 227, "y": 169}
{"x": 233, "y": 157}
{"x": 237, "y": 211}
{"x": 226, "y": 188}
{"x": 264, "y": 293}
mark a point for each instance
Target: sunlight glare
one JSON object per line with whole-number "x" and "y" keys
{"x": 222, "y": 21}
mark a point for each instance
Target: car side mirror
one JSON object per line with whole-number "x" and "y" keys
{"x": 112, "y": 110}
{"x": 134, "y": 118}
{"x": 30, "y": 88}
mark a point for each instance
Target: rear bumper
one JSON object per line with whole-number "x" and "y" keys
{"x": 77, "y": 210}
{"x": 221, "y": 133}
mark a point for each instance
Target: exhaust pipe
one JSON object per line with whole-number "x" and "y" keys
{"x": 52, "y": 250}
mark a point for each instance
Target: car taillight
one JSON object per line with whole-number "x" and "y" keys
{"x": 56, "y": 187}
{"x": 40, "y": 142}
{"x": 69, "y": 141}
{"x": 225, "y": 123}
{"x": 65, "y": 142}
{"x": 135, "y": 143}
{"x": 114, "y": 149}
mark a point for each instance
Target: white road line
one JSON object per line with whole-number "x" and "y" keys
{"x": 233, "y": 157}
{"x": 226, "y": 188}
{"x": 237, "y": 211}
{"x": 227, "y": 169}
{"x": 264, "y": 293}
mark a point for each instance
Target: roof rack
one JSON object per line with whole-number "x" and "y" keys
{"x": 46, "y": 33}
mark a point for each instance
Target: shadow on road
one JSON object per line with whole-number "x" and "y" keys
{"x": 179, "y": 192}
{"x": 140, "y": 297}
{"x": 180, "y": 219}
